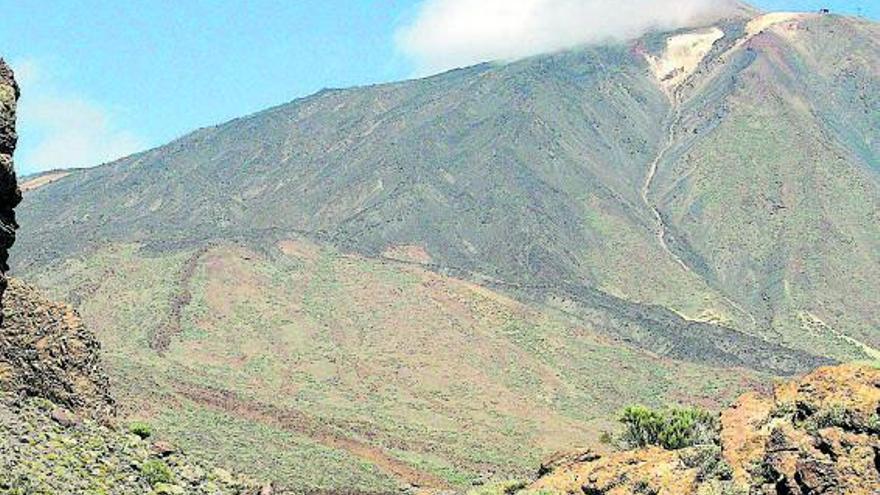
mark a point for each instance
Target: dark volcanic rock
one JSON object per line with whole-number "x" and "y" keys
{"x": 10, "y": 196}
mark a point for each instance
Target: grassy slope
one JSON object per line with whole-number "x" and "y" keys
{"x": 448, "y": 377}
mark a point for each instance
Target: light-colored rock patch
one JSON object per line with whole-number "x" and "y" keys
{"x": 43, "y": 180}
{"x": 683, "y": 55}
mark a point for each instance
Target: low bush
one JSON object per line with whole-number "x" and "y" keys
{"x": 509, "y": 487}
{"x": 672, "y": 429}
{"x": 140, "y": 429}
{"x": 708, "y": 462}
{"x": 156, "y": 471}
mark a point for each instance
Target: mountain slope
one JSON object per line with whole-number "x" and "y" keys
{"x": 555, "y": 149}
{"x": 774, "y": 200}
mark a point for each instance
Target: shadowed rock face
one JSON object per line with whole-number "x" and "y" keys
{"x": 9, "y": 193}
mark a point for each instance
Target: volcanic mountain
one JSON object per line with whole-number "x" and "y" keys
{"x": 411, "y": 281}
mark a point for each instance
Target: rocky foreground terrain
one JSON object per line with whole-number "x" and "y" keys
{"x": 816, "y": 435}
{"x": 46, "y": 450}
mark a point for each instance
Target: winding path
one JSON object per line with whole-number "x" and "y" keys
{"x": 315, "y": 428}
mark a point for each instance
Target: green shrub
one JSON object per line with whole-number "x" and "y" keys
{"x": 156, "y": 471}
{"x": 642, "y": 487}
{"x": 874, "y": 424}
{"x": 140, "y": 429}
{"x": 835, "y": 416}
{"x": 641, "y": 426}
{"x": 671, "y": 429}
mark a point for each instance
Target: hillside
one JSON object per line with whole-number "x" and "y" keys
{"x": 407, "y": 283}
{"x": 384, "y": 373}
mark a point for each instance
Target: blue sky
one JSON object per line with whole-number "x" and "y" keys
{"x": 103, "y": 79}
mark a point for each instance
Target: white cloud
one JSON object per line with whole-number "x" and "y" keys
{"x": 60, "y": 129}
{"x": 452, "y": 33}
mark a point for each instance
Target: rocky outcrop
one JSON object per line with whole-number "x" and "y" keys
{"x": 816, "y": 435}
{"x": 10, "y": 196}
{"x": 822, "y": 435}
{"x": 45, "y": 351}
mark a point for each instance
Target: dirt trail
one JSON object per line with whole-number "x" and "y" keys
{"x": 300, "y": 423}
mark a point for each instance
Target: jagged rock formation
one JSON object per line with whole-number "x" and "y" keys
{"x": 819, "y": 434}
{"x": 9, "y": 193}
{"x": 46, "y": 351}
